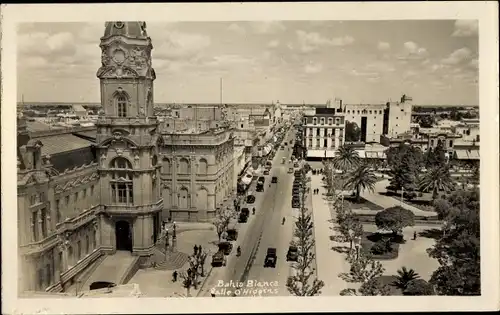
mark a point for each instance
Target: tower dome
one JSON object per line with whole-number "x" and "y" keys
{"x": 135, "y": 29}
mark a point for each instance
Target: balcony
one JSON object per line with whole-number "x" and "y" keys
{"x": 40, "y": 246}
{"x": 132, "y": 209}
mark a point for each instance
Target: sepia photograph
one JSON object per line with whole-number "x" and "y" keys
{"x": 225, "y": 159}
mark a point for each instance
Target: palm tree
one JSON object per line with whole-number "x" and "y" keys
{"x": 404, "y": 277}
{"x": 360, "y": 179}
{"x": 437, "y": 179}
{"x": 346, "y": 159}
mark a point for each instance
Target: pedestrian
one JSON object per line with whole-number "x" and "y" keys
{"x": 195, "y": 249}
{"x": 174, "y": 276}
{"x": 199, "y": 249}
{"x": 414, "y": 235}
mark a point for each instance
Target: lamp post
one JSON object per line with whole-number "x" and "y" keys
{"x": 174, "y": 236}
{"x": 402, "y": 193}
{"x": 358, "y": 246}
{"x": 166, "y": 242}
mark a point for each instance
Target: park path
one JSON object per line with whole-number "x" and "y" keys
{"x": 329, "y": 262}
{"x": 387, "y": 202}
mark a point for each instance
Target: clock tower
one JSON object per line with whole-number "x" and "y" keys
{"x": 127, "y": 141}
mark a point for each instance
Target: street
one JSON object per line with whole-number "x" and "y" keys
{"x": 271, "y": 206}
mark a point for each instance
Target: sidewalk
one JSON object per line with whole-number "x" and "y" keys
{"x": 387, "y": 202}
{"x": 329, "y": 262}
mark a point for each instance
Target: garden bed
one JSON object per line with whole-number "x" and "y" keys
{"x": 369, "y": 239}
{"x": 362, "y": 204}
{"x": 388, "y": 281}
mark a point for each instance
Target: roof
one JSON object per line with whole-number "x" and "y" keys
{"x": 63, "y": 143}
{"x": 79, "y": 108}
{"x": 87, "y": 134}
{"x": 467, "y": 154}
{"x": 34, "y": 126}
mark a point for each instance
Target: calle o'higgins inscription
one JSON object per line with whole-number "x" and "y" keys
{"x": 247, "y": 288}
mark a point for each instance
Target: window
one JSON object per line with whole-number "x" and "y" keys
{"x": 121, "y": 181}
{"x": 330, "y": 122}
{"x": 348, "y": 111}
{"x": 202, "y": 166}
{"x": 43, "y": 219}
{"x": 322, "y": 120}
{"x": 315, "y": 120}
{"x": 58, "y": 211}
{"x": 241, "y": 125}
{"x": 370, "y": 112}
{"x": 76, "y": 197}
{"x": 451, "y": 143}
{"x": 317, "y": 143}
{"x": 358, "y": 112}
{"x": 333, "y": 132}
{"x": 337, "y": 121}
{"x": 317, "y": 132}
{"x": 183, "y": 166}
{"x": 325, "y": 143}
{"x": 121, "y": 103}
{"x": 432, "y": 143}
{"x": 92, "y": 190}
{"x": 34, "y": 225}
{"x": 380, "y": 112}
{"x": 84, "y": 192}
{"x": 477, "y": 138}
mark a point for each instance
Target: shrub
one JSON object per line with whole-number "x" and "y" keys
{"x": 419, "y": 287}
{"x": 380, "y": 247}
{"x": 394, "y": 219}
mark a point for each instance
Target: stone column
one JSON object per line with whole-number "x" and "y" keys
{"x": 97, "y": 232}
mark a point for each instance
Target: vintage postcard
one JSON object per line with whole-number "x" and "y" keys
{"x": 235, "y": 157}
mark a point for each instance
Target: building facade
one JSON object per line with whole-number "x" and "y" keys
{"x": 197, "y": 173}
{"x": 324, "y": 131}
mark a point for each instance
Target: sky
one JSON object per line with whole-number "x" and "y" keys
{"x": 435, "y": 61}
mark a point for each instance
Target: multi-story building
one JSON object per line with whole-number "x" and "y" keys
{"x": 87, "y": 192}
{"x": 197, "y": 173}
{"x": 324, "y": 131}
{"x": 374, "y": 120}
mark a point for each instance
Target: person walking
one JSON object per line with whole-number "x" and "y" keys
{"x": 174, "y": 276}
{"x": 199, "y": 249}
{"x": 195, "y": 249}
{"x": 414, "y": 235}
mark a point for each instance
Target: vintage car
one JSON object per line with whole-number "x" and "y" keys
{"x": 290, "y": 170}
{"x": 274, "y": 180}
{"x": 266, "y": 172}
{"x": 232, "y": 234}
{"x": 218, "y": 259}
{"x": 225, "y": 247}
{"x": 295, "y": 203}
{"x": 250, "y": 199}
{"x": 270, "y": 260}
{"x": 292, "y": 254}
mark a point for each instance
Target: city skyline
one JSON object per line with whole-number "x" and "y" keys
{"x": 436, "y": 62}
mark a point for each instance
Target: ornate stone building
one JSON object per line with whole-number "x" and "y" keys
{"x": 86, "y": 193}
{"x": 127, "y": 137}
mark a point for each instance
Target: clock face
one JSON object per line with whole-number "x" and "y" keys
{"x": 119, "y": 56}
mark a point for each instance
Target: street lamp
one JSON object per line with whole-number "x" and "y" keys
{"x": 166, "y": 242}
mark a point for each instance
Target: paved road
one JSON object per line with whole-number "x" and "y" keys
{"x": 276, "y": 235}
{"x": 250, "y": 233}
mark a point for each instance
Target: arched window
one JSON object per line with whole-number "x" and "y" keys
{"x": 121, "y": 104}
{"x": 165, "y": 166}
{"x": 154, "y": 161}
{"x": 121, "y": 181}
{"x": 202, "y": 166}
{"x": 183, "y": 166}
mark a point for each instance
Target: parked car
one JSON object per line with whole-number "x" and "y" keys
{"x": 225, "y": 247}
{"x": 266, "y": 172}
{"x": 295, "y": 203}
{"x": 292, "y": 254}
{"x": 274, "y": 180}
{"x": 290, "y": 170}
{"x": 270, "y": 260}
{"x": 250, "y": 199}
{"x": 232, "y": 234}
{"x": 218, "y": 259}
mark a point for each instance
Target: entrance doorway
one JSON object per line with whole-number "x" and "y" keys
{"x": 123, "y": 236}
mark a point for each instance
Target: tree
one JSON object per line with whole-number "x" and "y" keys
{"x": 222, "y": 219}
{"x": 364, "y": 270}
{"x": 427, "y": 121}
{"x": 458, "y": 251}
{"x": 346, "y": 159}
{"x": 394, "y": 219}
{"x": 352, "y": 132}
{"x": 187, "y": 281}
{"x": 405, "y": 163}
{"x": 419, "y": 287}
{"x": 404, "y": 277}
{"x": 300, "y": 283}
{"x": 360, "y": 179}
{"x": 437, "y": 179}
{"x": 349, "y": 225}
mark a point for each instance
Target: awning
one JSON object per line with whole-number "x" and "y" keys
{"x": 375, "y": 155}
{"x": 246, "y": 179}
{"x": 321, "y": 153}
{"x": 467, "y": 154}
